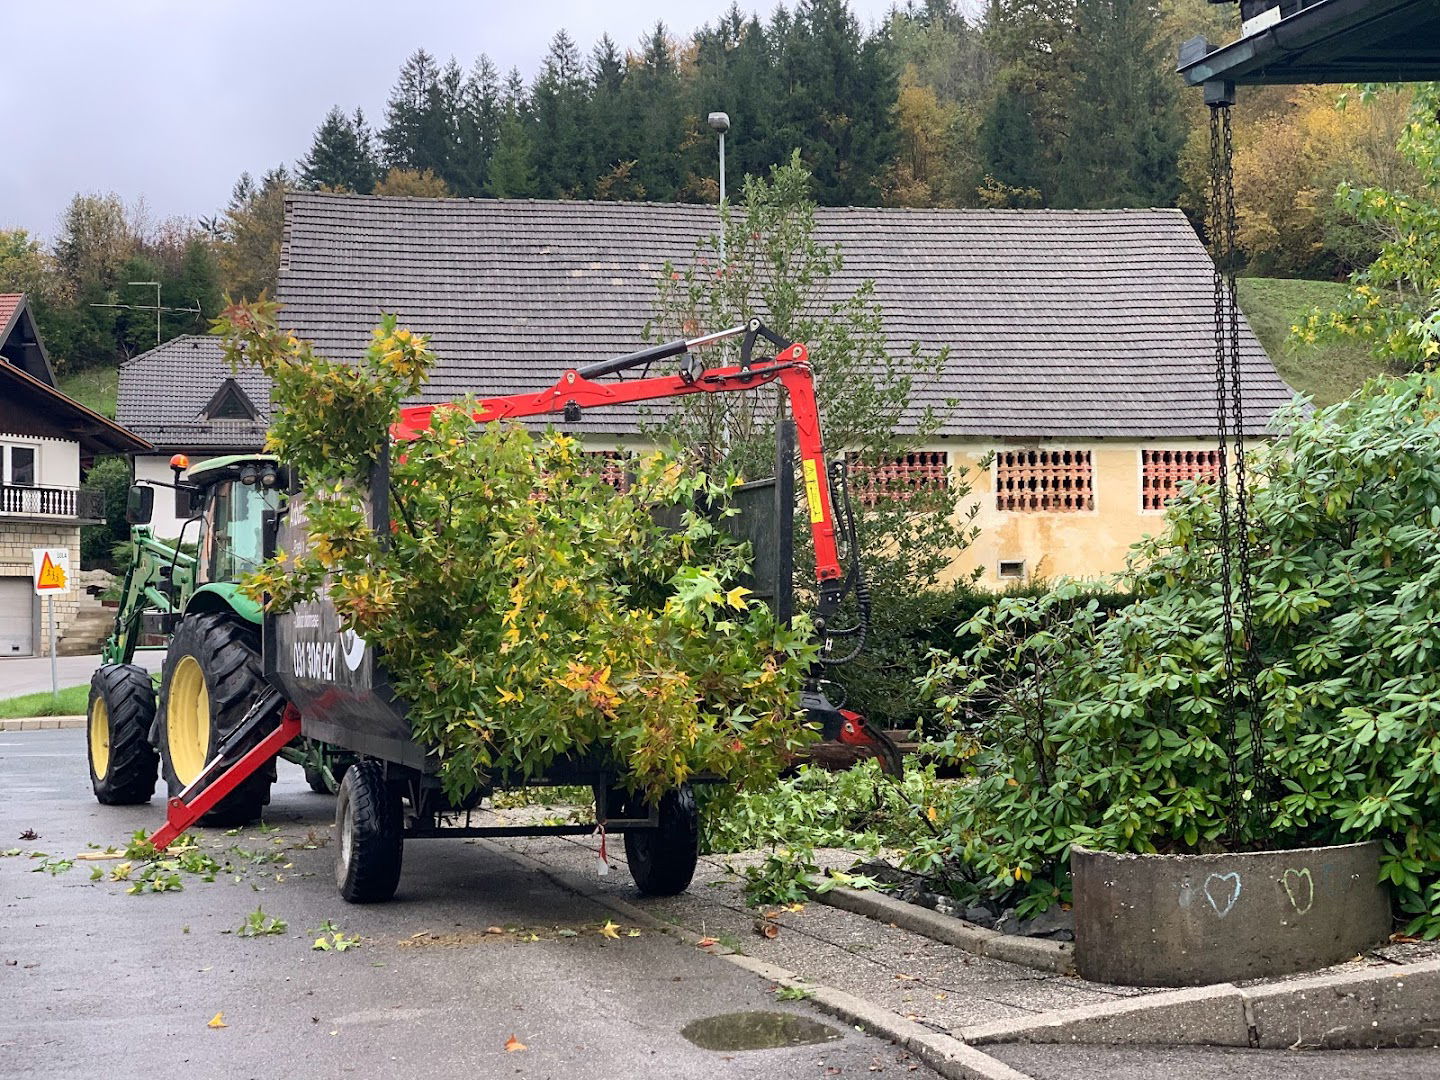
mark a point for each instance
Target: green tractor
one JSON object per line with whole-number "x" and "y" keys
{"x": 212, "y": 671}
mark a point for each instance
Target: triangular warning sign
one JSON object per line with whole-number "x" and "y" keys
{"x": 51, "y": 576}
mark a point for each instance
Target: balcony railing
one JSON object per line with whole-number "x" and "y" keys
{"x": 76, "y": 504}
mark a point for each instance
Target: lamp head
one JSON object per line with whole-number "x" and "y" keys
{"x": 719, "y": 121}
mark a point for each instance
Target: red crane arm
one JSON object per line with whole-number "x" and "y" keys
{"x": 573, "y": 392}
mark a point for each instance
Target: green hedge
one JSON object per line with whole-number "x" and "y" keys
{"x": 880, "y": 683}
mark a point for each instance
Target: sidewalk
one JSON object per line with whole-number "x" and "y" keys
{"x": 31, "y": 674}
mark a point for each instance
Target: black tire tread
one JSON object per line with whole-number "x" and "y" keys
{"x": 378, "y": 847}
{"x": 228, "y": 654}
{"x": 129, "y": 698}
{"x": 662, "y": 860}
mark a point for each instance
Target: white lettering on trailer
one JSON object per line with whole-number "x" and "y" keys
{"x": 314, "y": 660}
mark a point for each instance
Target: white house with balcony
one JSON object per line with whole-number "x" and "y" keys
{"x": 47, "y": 440}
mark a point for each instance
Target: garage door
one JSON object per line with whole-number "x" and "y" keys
{"x": 17, "y": 617}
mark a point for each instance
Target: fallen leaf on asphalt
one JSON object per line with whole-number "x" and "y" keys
{"x": 706, "y": 942}
{"x": 794, "y": 907}
{"x": 217, "y": 1021}
{"x": 567, "y": 932}
{"x": 494, "y": 930}
{"x": 610, "y": 930}
{"x": 905, "y": 978}
{"x": 632, "y": 933}
{"x": 29, "y": 834}
{"x": 97, "y": 856}
{"x": 513, "y": 1044}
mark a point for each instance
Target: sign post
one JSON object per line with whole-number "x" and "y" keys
{"x": 52, "y": 575}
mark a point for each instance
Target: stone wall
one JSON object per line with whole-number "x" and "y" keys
{"x": 17, "y": 538}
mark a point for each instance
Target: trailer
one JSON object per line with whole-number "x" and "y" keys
{"x": 327, "y": 684}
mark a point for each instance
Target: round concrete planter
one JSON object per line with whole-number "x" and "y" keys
{"x": 1189, "y": 920}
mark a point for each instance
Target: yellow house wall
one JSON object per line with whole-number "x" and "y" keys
{"x": 1087, "y": 544}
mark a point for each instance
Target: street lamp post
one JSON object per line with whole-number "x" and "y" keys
{"x": 156, "y": 285}
{"x": 721, "y": 123}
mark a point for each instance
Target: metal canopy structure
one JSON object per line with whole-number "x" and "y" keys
{"x": 1323, "y": 41}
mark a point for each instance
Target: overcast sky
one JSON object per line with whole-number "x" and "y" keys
{"x": 170, "y": 100}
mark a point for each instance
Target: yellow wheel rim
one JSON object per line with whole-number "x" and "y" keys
{"x": 99, "y": 737}
{"x": 187, "y": 720}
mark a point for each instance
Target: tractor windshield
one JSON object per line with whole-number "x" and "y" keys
{"x": 233, "y": 538}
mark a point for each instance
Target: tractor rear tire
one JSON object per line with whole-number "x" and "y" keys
{"x": 123, "y": 764}
{"x": 212, "y": 677}
{"x": 662, "y": 860}
{"x": 370, "y": 827}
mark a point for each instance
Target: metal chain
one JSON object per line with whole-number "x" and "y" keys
{"x": 1251, "y": 663}
{"x": 1221, "y": 237}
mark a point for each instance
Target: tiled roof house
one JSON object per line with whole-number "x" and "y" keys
{"x": 1079, "y": 344}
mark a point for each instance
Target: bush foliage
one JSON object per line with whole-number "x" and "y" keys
{"x": 525, "y": 609}
{"x": 1111, "y": 730}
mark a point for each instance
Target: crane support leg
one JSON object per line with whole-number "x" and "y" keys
{"x": 226, "y": 770}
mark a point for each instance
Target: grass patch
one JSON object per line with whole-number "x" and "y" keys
{"x": 72, "y": 701}
{"x": 1327, "y": 372}
{"x": 95, "y": 388}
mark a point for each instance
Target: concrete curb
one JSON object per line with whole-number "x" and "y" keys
{"x": 947, "y": 1055}
{"x": 42, "y": 723}
{"x": 1366, "y": 1010}
{"x": 1056, "y": 956}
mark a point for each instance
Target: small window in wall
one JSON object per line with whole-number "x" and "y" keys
{"x": 900, "y": 477}
{"x": 1163, "y": 471}
{"x": 18, "y": 465}
{"x": 1050, "y": 481}
{"x": 1012, "y": 569}
{"x": 611, "y": 467}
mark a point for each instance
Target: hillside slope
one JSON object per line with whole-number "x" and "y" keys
{"x": 1326, "y": 373}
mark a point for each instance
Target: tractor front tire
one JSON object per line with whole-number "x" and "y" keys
{"x": 123, "y": 764}
{"x": 662, "y": 860}
{"x": 212, "y": 677}
{"x": 369, "y": 820}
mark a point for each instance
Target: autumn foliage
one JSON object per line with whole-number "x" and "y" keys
{"x": 525, "y": 609}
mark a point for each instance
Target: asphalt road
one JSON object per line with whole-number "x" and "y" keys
{"x": 31, "y": 674}
{"x": 96, "y": 981}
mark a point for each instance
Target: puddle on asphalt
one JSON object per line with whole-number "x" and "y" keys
{"x": 756, "y": 1031}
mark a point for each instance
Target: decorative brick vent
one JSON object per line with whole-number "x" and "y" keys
{"x": 610, "y": 466}
{"x": 1165, "y": 470}
{"x": 1044, "y": 480}
{"x": 900, "y": 477}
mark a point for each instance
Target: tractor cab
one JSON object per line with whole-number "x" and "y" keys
{"x": 228, "y": 496}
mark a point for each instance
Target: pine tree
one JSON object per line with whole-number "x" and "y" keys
{"x": 420, "y": 116}
{"x": 1009, "y": 149}
{"x": 559, "y": 103}
{"x": 481, "y": 114}
{"x": 340, "y": 157}
{"x": 654, "y": 113}
{"x": 512, "y": 168}
{"x": 608, "y": 141}
{"x": 1123, "y": 148}
{"x": 841, "y": 95}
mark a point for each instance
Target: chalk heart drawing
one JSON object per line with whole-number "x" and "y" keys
{"x": 1300, "y": 888}
{"x": 1222, "y": 890}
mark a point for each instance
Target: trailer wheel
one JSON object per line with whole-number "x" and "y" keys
{"x": 368, "y": 818}
{"x": 212, "y": 677}
{"x": 123, "y": 764}
{"x": 662, "y": 860}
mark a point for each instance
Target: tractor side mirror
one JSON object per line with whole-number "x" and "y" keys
{"x": 139, "y": 504}
{"x": 189, "y": 501}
